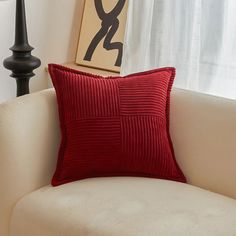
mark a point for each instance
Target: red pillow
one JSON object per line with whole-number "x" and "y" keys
{"x": 114, "y": 126}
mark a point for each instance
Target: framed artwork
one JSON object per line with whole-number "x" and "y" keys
{"x": 102, "y": 34}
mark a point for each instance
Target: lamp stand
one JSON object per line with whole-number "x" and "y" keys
{"x": 21, "y": 63}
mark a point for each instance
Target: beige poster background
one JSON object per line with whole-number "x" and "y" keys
{"x": 91, "y": 24}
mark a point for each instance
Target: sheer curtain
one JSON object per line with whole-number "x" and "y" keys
{"x": 198, "y": 37}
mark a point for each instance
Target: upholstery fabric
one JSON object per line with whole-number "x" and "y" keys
{"x": 124, "y": 206}
{"x": 29, "y": 140}
{"x": 114, "y": 126}
{"x": 203, "y": 131}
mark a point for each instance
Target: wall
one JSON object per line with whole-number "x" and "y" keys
{"x": 53, "y": 29}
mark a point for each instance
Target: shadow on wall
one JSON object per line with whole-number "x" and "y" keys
{"x": 58, "y": 23}
{"x": 7, "y": 84}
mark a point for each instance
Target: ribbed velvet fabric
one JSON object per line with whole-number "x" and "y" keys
{"x": 114, "y": 126}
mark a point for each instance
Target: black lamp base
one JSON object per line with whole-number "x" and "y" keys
{"x": 22, "y": 87}
{"x": 21, "y": 63}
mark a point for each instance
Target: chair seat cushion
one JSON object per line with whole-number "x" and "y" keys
{"x": 124, "y": 206}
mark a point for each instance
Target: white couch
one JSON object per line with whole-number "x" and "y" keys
{"x": 203, "y": 130}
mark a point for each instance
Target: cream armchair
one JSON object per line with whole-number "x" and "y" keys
{"x": 203, "y": 130}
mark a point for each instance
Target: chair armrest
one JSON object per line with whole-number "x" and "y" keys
{"x": 203, "y": 131}
{"x": 29, "y": 139}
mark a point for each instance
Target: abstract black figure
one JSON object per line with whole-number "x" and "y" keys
{"x": 109, "y": 26}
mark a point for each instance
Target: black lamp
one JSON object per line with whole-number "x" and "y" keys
{"x": 21, "y": 63}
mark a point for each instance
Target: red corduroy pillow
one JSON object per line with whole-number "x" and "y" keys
{"x": 114, "y": 126}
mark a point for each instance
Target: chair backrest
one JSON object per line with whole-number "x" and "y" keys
{"x": 203, "y": 130}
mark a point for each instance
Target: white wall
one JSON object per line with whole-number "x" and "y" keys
{"x": 53, "y": 29}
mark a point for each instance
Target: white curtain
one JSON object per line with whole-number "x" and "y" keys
{"x": 198, "y": 37}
